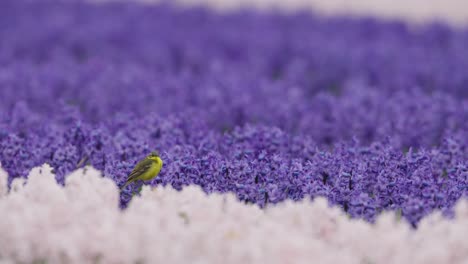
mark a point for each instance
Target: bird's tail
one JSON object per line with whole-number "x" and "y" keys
{"x": 125, "y": 185}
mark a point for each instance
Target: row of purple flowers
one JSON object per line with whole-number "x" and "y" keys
{"x": 370, "y": 114}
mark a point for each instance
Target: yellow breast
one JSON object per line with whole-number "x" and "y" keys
{"x": 152, "y": 172}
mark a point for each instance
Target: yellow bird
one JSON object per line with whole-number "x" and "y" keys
{"x": 146, "y": 169}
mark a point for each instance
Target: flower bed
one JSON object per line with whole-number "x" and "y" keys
{"x": 370, "y": 115}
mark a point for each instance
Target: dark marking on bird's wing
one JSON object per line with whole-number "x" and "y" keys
{"x": 139, "y": 169}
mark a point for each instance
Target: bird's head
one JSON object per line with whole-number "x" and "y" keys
{"x": 155, "y": 156}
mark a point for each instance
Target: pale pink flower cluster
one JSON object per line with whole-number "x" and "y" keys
{"x": 81, "y": 223}
{"x": 451, "y": 11}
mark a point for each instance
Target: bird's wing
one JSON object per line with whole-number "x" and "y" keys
{"x": 139, "y": 169}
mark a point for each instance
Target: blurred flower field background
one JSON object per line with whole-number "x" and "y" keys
{"x": 286, "y": 137}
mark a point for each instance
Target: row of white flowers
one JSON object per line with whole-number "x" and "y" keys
{"x": 452, "y": 11}
{"x": 81, "y": 223}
